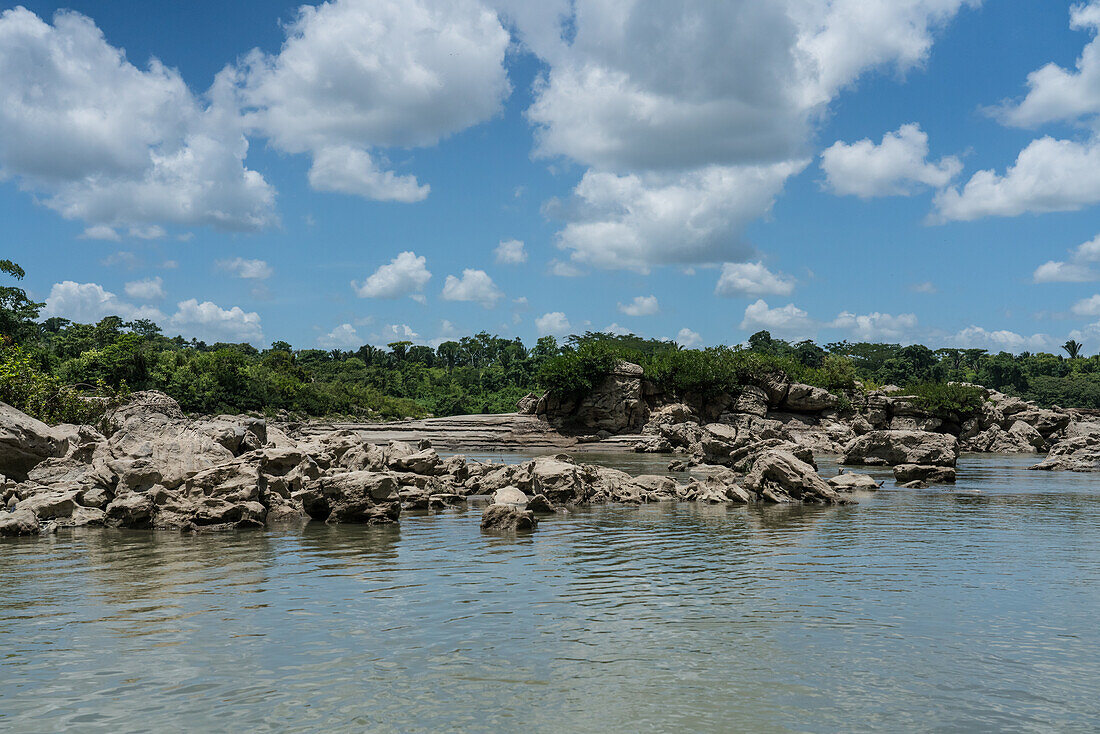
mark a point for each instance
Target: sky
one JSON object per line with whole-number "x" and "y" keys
{"x": 368, "y": 171}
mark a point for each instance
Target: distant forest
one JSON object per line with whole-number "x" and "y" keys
{"x": 49, "y": 367}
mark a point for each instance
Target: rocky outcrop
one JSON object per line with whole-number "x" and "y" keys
{"x": 779, "y": 476}
{"x": 889, "y": 448}
{"x": 854, "y": 482}
{"x": 1079, "y": 454}
{"x": 923, "y": 473}
{"x": 508, "y": 517}
{"x": 617, "y": 405}
{"x": 25, "y": 442}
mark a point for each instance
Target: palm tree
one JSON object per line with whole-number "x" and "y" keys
{"x": 1073, "y": 348}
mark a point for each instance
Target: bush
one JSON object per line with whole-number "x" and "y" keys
{"x": 24, "y": 386}
{"x": 575, "y": 374}
{"x": 939, "y": 397}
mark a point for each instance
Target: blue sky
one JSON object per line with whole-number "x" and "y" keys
{"x": 900, "y": 170}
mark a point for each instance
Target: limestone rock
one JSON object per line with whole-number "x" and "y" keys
{"x": 359, "y": 497}
{"x": 779, "y": 476}
{"x": 508, "y": 517}
{"x": 809, "y": 399}
{"x": 889, "y": 448}
{"x": 854, "y": 482}
{"x": 904, "y": 473}
{"x": 24, "y": 442}
{"x": 20, "y": 522}
{"x": 1080, "y": 454}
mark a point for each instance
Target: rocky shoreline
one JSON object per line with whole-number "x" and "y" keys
{"x": 147, "y": 465}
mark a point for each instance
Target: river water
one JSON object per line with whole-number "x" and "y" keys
{"x": 973, "y": 608}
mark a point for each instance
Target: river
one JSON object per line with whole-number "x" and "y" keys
{"x": 968, "y": 608}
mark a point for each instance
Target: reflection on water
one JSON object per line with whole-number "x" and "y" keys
{"x": 970, "y": 608}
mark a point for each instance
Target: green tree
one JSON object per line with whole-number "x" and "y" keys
{"x": 17, "y": 312}
{"x": 1073, "y": 348}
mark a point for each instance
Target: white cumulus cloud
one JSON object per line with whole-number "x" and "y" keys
{"x": 474, "y": 285}
{"x": 876, "y": 326}
{"x": 146, "y": 289}
{"x": 688, "y": 338}
{"x": 100, "y": 140}
{"x": 752, "y": 279}
{"x": 405, "y": 275}
{"x": 343, "y": 336}
{"x": 212, "y": 323}
{"x": 1078, "y": 269}
{"x": 247, "y": 269}
{"x": 976, "y": 337}
{"x": 898, "y": 166}
{"x": 640, "y": 306}
{"x": 357, "y": 75}
{"x": 554, "y": 323}
{"x": 1088, "y": 306}
{"x": 90, "y": 302}
{"x": 511, "y": 252}
{"x": 787, "y": 321}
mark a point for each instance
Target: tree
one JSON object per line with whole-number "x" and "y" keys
{"x": 17, "y": 312}
{"x": 1073, "y": 348}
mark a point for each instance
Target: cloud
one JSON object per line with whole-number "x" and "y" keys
{"x": 554, "y": 323}
{"x": 976, "y": 337}
{"x": 876, "y": 326}
{"x": 636, "y": 221}
{"x": 688, "y": 338}
{"x": 511, "y": 252}
{"x": 147, "y": 289}
{"x": 347, "y": 170}
{"x": 681, "y": 153}
{"x": 405, "y": 275}
{"x": 148, "y": 232}
{"x": 358, "y": 75}
{"x": 787, "y": 321}
{"x": 344, "y": 336}
{"x": 90, "y": 302}
{"x": 926, "y": 287}
{"x": 396, "y": 333}
{"x": 640, "y": 306}
{"x": 752, "y": 279}
{"x": 212, "y": 323}
{"x": 247, "y": 269}
{"x": 897, "y": 166}
{"x": 1055, "y": 93}
{"x": 564, "y": 269}
{"x": 1076, "y": 270}
{"x": 474, "y": 285}
{"x": 1087, "y": 306}
{"x": 100, "y": 232}
{"x": 1048, "y": 176}
{"x": 99, "y": 140}
{"x": 614, "y": 328}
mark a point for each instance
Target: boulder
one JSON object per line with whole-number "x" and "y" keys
{"x": 1046, "y": 422}
{"x": 528, "y": 404}
{"x": 889, "y": 448}
{"x": 854, "y": 482}
{"x": 510, "y": 496}
{"x": 420, "y": 462}
{"x": 540, "y": 505}
{"x": 653, "y": 445}
{"x": 616, "y": 405}
{"x": 779, "y": 476}
{"x": 996, "y": 440}
{"x": 752, "y": 400}
{"x": 50, "y": 505}
{"x": 131, "y": 510}
{"x": 1080, "y": 454}
{"x": 358, "y": 497}
{"x": 808, "y": 399}
{"x": 508, "y": 517}
{"x": 904, "y": 473}
{"x": 20, "y": 522}
{"x": 24, "y": 442}
{"x": 1027, "y": 433}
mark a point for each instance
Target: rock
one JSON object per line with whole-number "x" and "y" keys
{"x": 616, "y": 405}
{"x": 653, "y": 445}
{"x": 420, "y": 462}
{"x": 24, "y": 442}
{"x": 1080, "y": 454}
{"x": 776, "y": 386}
{"x": 778, "y": 476}
{"x": 683, "y": 435}
{"x": 854, "y": 482}
{"x": 49, "y": 505}
{"x": 915, "y": 484}
{"x": 889, "y": 448}
{"x": 808, "y": 399}
{"x": 1046, "y": 422}
{"x": 928, "y": 474}
{"x": 528, "y": 404}
{"x": 678, "y": 465}
{"x": 752, "y": 400}
{"x": 1027, "y": 433}
{"x": 510, "y": 496}
{"x": 508, "y": 517}
{"x": 20, "y": 522}
{"x": 359, "y": 497}
{"x": 131, "y": 510}
{"x": 540, "y": 505}
{"x": 996, "y": 440}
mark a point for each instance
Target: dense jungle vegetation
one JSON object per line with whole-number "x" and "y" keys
{"x": 48, "y": 366}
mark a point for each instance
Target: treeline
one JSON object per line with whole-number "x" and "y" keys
{"x": 48, "y": 367}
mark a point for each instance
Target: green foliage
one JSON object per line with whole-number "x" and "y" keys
{"x": 575, "y": 372}
{"x": 939, "y": 398}
{"x": 26, "y": 387}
